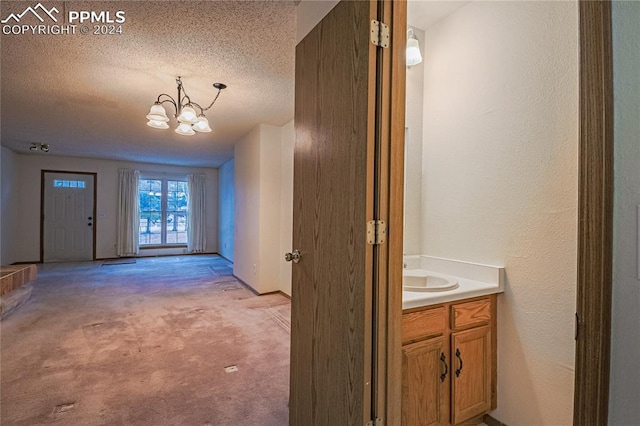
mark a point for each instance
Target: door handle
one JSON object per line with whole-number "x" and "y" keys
{"x": 294, "y": 256}
{"x": 443, "y": 359}
{"x": 459, "y": 359}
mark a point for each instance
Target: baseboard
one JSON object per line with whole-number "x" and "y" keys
{"x": 26, "y": 263}
{"x": 159, "y": 255}
{"x": 225, "y": 257}
{"x": 490, "y": 421}
{"x": 251, "y": 289}
{"x": 284, "y": 294}
{"x": 254, "y": 291}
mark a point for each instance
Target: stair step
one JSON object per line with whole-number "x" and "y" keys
{"x": 14, "y": 276}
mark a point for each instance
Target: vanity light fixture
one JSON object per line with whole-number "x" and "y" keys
{"x": 189, "y": 121}
{"x": 35, "y": 146}
{"x": 413, "y": 49}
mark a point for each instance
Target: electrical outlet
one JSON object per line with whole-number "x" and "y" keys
{"x": 231, "y": 369}
{"x": 255, "y": 269}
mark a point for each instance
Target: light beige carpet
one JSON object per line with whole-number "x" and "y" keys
{"x": 145, "y": 344}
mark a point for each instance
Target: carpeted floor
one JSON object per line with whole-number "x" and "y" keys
{"x": 145, "y": 344}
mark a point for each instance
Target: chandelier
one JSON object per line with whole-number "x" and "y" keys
{"x": 189, "y": 121}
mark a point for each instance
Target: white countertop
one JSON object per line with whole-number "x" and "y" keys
{"x": 474, "y": 280}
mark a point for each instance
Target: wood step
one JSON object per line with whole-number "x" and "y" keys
{"x": 14, "y": 276}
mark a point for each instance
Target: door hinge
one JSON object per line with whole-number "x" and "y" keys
{"x": 375, "y": 422}
{"x": 376, "y": 232}
{"x": 380, "y": 33}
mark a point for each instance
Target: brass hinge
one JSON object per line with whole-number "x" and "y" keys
{"x": 375, "y": 422}
{"x": 376, "y": 232}
{"x": 380, "y": 33}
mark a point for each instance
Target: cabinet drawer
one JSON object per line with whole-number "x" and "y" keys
{"x": 418, "y": 325}
{"x": 465, "y": 315}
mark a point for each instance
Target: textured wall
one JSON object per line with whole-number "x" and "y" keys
{"x": 286, "y": 204}
{"x": 247, "y": 208}
{"x": 270, "y": 257}
{"x": 500, "y": 183}
{"x": 8, "y": 205}
{"x": 225, "y": 206}
{"x": 28, "y": 225}
{"x": 412, "y": 243}
{"x": 258, "y": 256}
{"x": 625, "y": 352}
{"x": 309, "y": 13}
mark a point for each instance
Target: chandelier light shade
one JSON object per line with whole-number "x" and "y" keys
{"x": 185, "y": 129}
{"x": 157, "y": 113}
{"x": 414, "y": 57}
{"x": 202, "y": 125}
{"x": 189, "y": 121}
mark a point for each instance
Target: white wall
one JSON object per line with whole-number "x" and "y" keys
{"x": 625, "y": 351}
{"x": 263, "y": 207}
{"x": 309, "y": 13}
{"x": 226, "y": 209}
{"x": 8, "y": 205}
{"x": 270, "y": 256}
{"x": 246, "y": 231}
{"x": 500, "y": 183}
{"x": 28, "y": 225}
{"x": 412, "y": 241}
{"x": 286, "y": 204}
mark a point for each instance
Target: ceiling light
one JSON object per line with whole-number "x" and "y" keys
{"x": 157, "y": 113}
{"x": 157, "y": 124}
{"x": 202, "y": 125}
{"x": 189, "y": 121}
{"x": 413, "y": 49}
{"x": 185, "y": 129}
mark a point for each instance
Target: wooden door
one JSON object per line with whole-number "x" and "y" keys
{"x": 331, "y": 331}
{"x": 68, "y": 212}
{"x": 425, "y": 383}
{"x": 471, "y": 378}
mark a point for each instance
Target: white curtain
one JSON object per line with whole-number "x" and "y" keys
{"x": 196, "y": 234}
{"x": 128, "y": 212}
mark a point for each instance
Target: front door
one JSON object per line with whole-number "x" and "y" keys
{"x": 331, "y": 335}
{"x": 68, "y": 216}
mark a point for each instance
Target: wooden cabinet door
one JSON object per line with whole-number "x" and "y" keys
{"x": 471, "y": 375}
{"x": 425, "y": 383}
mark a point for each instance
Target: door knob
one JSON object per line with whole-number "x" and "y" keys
{"x": 90, "y": 218}
{"x": 88, "y": 224}
{"x": 295, "y": 256}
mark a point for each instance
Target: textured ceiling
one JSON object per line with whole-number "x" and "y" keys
{"x": 87, "y": 95}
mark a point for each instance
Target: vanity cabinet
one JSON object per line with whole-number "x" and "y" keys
{"x": 449, "y": 362}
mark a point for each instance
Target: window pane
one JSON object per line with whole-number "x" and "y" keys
{"x": 150, "y": 228}
{"x": 150, "y": 199}
{"x": 151, "y": 213}
{"x": 176, "y": 228}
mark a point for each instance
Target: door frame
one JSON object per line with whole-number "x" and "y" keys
{"x": 595, "y": 218}
{"x": 387, "y": 392}
{"x": 95, "y": 201}
{"x": 595, "y": 215}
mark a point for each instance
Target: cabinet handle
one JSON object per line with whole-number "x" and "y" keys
{"x": 443, "y": 376}
{"x": 459, "y": 359}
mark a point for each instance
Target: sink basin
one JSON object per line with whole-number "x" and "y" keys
{"x": 421, "y": 280}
